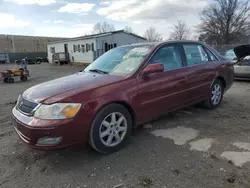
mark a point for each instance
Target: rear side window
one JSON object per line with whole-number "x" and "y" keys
{"x": 169, "y": 56}
{"x": 195, "y": 54}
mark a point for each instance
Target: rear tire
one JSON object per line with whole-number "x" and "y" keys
{"x": 23, "y": 78}
{"x": 11, "y": 80}
{"x": 216, "y": 95}
{"x": 111, "y": 129}
{"x": 5, "y": 80}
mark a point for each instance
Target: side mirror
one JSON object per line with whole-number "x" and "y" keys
{"x": 153, "y": 68}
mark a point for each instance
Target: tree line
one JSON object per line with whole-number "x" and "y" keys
{"x": 222, "y": 22}
{"x": 180, "y": 31}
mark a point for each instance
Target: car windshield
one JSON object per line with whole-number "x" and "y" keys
{"x": 120, "y": 61}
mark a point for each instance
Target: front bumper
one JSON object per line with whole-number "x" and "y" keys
{"x": 31, "y": 129}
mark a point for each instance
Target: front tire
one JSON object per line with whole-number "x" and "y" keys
{"x": 5, "y": 80}
{"x": 216, "y": 95}
{"x": 23, "y": 78}
{"x": 111, "y": 129}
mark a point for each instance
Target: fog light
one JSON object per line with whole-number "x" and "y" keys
{"x": 49, "y": 141}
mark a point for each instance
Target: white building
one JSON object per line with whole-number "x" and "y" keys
{"x": 87, "y": 48}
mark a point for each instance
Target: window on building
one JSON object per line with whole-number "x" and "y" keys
{"x": 106, "y": 47}
{"x": 87, "y": 47}
{"x": 111, "y": 46}
{"x": 79, "y": 48}
{"x": 74, "y": 48}
{"x": 52, "y": 50}
{"x": 92, "y": 47}
{"x": 195, "y": 54}
{"x": 115, "y": 45}
{"x": 83, "y": 48}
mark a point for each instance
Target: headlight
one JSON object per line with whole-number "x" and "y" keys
{"x": 57, "y": 111}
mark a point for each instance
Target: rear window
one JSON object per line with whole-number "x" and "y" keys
{"x": 195, "y": 54}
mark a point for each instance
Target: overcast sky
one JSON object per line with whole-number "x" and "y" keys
{"x": 71, "y": 18}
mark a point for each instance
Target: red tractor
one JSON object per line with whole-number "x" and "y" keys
{"x": 9, "y": 75}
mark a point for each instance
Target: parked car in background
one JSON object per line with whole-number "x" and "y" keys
{"x": 242, "y": 66}
{"x": 17, "y": 62}
{"x": 241, "y": 57}
{"x": 125, "y": 87}
{"x": 230, "y": 54}
{"x": 61, "y": 58}
{"x": 40, "y": 60}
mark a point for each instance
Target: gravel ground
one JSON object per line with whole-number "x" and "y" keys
{"x": 192, "y": 147}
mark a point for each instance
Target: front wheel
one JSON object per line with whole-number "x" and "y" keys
{"x": 23, "y": 78}
{"x": 216, "y": 95}
{"x": 5, "y": 80}
{"x": 111, "y": 129}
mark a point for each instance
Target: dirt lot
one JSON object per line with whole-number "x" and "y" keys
{"x": 192, "y": 147}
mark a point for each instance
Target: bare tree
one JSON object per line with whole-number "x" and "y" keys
{"x": 152, "y": 35}
{"x": 128, "y": 29}
{"x": 103, "y": 27}
{"x": 180, "y": 31}
{"x": 225, "y": 20}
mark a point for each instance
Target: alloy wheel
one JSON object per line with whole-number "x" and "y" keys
{"x": 216, "y": 94}
{"x": 113, "y": 129}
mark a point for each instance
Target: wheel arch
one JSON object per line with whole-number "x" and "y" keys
{"x": 124, "y": 104}
{"x": 223, "y": 81}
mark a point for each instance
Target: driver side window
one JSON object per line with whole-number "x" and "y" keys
{"x": 169, "y": 56}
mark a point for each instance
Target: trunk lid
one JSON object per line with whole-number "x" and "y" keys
{"x": 242, "y": 52}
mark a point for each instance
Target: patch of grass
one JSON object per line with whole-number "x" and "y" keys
{"x": 231, "y": 179}
{"x": 213, "y": 156}
{"x": 231, "y": 162}
{"x": 176, "y": 171}
{"x": 146, "y": 182}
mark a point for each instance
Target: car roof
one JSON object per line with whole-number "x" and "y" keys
{"x": 164, "y": 42}
{"x": 155, "y": 44}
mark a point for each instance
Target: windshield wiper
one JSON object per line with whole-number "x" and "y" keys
{"x": 98, "y": 71}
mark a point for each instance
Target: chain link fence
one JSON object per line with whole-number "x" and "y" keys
{"x": 223, "y": 48}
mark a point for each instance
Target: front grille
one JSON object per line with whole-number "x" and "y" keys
{"x": 25, "y": 106}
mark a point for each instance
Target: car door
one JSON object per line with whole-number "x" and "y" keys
{"x": 200, "y": 71}
{"x": 164, "y": 91}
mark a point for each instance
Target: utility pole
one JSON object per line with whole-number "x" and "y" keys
{"x": 13, "y": 44}
{"x": 7, "y": 38}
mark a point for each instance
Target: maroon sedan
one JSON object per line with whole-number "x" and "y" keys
{"x": 124, "y": 88}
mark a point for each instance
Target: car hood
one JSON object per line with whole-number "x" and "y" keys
{"x": 44, "y": 91}
{"x": 242, "y": 51}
